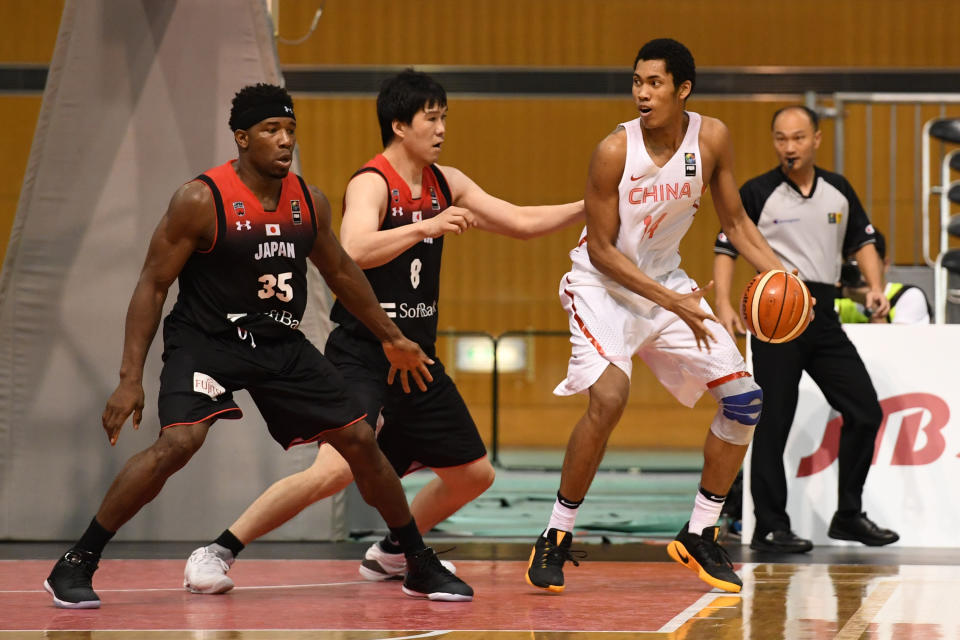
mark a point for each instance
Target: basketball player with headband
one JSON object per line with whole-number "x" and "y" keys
{"x": 813, "y": 219}
{"x": 626, "y": 295}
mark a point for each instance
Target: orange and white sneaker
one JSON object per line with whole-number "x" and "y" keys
{"x": 704, "y": 555}
{"x": 551, "y": 550}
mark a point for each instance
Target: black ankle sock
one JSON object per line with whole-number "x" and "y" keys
{"x": 568, "y": 503}
{"x": 390, "y": 544}
{"x": 230, "y": 541}
{"x": 94, "y": 539}
{"x": 408, "y": 537}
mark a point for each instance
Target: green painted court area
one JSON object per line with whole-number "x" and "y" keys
{"x": 635, "y": 494}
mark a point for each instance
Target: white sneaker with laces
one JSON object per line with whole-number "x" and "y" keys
{"x": 379, "y": 565}
{"x": 206, "y": 572}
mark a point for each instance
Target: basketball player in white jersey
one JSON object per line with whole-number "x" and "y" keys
{"x": 626, "y": 295}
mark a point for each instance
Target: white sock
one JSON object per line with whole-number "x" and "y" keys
{"x": 562, "y": 517}
{"x": 705, "y": 514}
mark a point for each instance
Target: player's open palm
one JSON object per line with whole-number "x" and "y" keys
{"x": 408, "y": 359}
{"x": 687, "y": 306}
{"x": 450, "y": 220}
{"x": 126, "y": 399}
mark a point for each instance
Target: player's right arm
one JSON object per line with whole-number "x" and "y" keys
{"x": 602, "y": 201}
{"x": 723, "y": 279}
{"x": 189, "y": 224}
{"x": 365, "y": 207}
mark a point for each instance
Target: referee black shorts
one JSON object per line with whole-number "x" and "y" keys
{"x": 431, "y": 428}
{"x": 299, "y": 392}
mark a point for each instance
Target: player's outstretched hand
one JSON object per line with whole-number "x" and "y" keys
{"x": 407, "y": 358}
{"x": 450, "y": 220}
{"x": 127, "y": 398}
{"x": 687, "y": 306}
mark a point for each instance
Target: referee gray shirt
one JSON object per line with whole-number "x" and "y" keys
{"x": 810, "y": 233}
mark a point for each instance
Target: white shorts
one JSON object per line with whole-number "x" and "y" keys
{"x": 605, "y": 330}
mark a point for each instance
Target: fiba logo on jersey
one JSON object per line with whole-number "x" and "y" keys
{"x": 238, "y": 208}
{"x": 396, "y": 195}
{"x": 690, "y": 164}
{"x": 295, "y": 210}
{"x": 434, "y": 202}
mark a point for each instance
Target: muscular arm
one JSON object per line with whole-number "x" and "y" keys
{"x": 740, "y": 229}
{"x": 365, "y": 207}
{"x": 189, "y": 224}
{"x": 352, "y": 288}
{"x": 505, "y": 218}
{"x": 603, "y": 224}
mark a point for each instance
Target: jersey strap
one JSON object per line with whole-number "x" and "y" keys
{"x": 218, "y": 201}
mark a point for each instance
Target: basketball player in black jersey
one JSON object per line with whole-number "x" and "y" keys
{"x": 398, "y": 208}
{"x": 237, "y": 239}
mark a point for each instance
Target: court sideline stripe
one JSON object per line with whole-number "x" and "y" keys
{"x": 863, "y": 616}
{"x": 271, "y": 586}
{"x": 702, "y": 603}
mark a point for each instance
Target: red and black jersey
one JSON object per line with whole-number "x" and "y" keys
{"x": 408, "y": 287}
{"x": 254, "y": 275}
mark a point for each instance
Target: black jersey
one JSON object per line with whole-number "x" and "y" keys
{"x": 408, "y": 287}
{"x": 811, "y": 233}
{"x": 254, "y": 276}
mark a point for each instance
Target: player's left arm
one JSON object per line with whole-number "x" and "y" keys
{"x": 740, "y": 229}
{"x": 505, "y": 218}
{"x": 352, "y": 288}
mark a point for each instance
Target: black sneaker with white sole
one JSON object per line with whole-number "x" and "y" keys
{"x": 428, "y": 578}
{"x": 71, "y": 581}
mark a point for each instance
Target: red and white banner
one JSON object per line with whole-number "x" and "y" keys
{"x": 914, "y": 482}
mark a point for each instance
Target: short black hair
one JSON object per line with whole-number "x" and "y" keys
{"x": 256, "y": 95}
{"x": 402, "y": 96}
{"x": 676, "y": 58}
{"x": 814, "y": 118}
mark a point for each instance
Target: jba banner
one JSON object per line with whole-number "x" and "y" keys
{"x": 913, "y": 483}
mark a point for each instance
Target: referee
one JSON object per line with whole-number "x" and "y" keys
{"x": 813, "y": 220}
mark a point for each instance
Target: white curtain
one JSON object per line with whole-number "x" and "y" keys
{"x": 136, "y": 103}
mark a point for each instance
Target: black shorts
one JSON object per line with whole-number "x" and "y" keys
{"x": 299, "y": 392}
{"x": 431, "y": 428}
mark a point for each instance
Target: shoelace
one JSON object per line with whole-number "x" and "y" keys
{"x": 556, "y": 554}
{"x": 715, "y": 552}
{"x": 206, "y": 556}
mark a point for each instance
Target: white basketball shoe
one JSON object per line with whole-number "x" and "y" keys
{"x": 206, "y": 572}
{"x": 379, "y": 565}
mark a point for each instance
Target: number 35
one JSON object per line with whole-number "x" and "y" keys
{"x": 276, "y": 286}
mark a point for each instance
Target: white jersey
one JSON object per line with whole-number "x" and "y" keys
{"x": 657, "y": 205}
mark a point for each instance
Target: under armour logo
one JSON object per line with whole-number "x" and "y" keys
{"x": 287, "y": 109}
{"x": 244, "y": 224}
{"x": 396, "y": 211}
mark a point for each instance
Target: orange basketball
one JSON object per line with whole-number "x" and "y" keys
{"x": 776, "y": 306}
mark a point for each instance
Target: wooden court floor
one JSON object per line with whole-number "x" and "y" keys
{"x": 639, "y": 597}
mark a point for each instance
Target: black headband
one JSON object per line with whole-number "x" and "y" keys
{"x": 253, "y": 115}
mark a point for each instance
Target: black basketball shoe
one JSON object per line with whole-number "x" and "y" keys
{"x": 702, "y": 554}
{"x": 71, "y": 581}
{"x": 428, "y": 578}
{"x": 551, "y": 550}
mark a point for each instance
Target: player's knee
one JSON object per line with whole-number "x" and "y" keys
{"x": 481, "y": 475}
{"x": 741, "y": 402}
{"x": 176, "y": 446}
{"x": 607, "y": 402}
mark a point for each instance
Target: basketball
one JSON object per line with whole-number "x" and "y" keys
{"x": 776, "y": 306}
